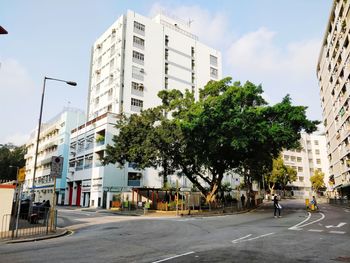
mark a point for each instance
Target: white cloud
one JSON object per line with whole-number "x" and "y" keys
{"x": 281, "y": 69}
{"x": 18, "y": 97}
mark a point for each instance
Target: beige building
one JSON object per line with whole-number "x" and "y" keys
{"x": 333, "y": 71}
{"x": 311, "y": 157}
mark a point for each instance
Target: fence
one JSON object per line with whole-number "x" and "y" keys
{"x": 38, "y": 223}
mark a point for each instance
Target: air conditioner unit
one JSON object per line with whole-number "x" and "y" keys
{"x": 142, "y": 70}
{"x": 98, "y": 46}
{"x": 97, "y": 71}
{"x": 114, "y": 30}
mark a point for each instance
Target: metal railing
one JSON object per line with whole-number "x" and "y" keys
{"x": 41, "y": 222}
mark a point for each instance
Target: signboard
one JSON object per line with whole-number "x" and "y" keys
{"x": 21, "y": 175}
{"x": 56, "y": 166}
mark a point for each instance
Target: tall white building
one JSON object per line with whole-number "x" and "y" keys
{"x": 134, "y": 59}
{"x": 53, "y": 141}
{"x": 311, "y": 157}
{"x": 333, "y": 71}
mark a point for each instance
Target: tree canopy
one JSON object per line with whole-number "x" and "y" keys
{"x": 10, "y": 157}
{"x": 317, "y": 180}
{"x": 230, "y": 128}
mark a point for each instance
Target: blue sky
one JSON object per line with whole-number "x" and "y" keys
{"x": 270, "y": 42}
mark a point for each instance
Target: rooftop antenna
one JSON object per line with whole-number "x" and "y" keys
{"x": 190, "y": 21}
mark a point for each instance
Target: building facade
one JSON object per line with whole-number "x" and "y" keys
{"x": 333, "y": 71}
{"x": 53, "y": 141}
{"x": 310, "y": 157}
{"x": 134, "y": 59}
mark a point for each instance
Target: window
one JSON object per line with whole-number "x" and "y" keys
{"x": 292, "y": 158}
{"x": 213, "y": 72}
{"x": 318, "y": 161}
{"x": 136, "y": 102}
{"x": 137, "y": 73}
{"x": 213, "y": 61}
{"x": 139, "y": 42}
{"x": 301, "y": 178}
{"x": 166, "y": 40}
{"x": 138, "y": 56}
{"x": 166, "y": 83}
{"x": 139, "y": 27}
{"x": 300, "y": 169}
{"x": 286, "y": 157}
{"x": 317, "y": 151}
{"x": 112, "y": 50}
{"x": 134, "y": 179}
{"x": 299, "y": 159}
{"x": 137, "y": 86}
{"x": 315, "y": 142}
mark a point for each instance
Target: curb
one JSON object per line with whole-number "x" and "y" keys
{"x": 65, "y": 232}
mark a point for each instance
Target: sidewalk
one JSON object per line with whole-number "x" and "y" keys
{"x": 59, "y": 232}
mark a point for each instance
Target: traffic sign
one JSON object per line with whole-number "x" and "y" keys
{"x": 56, "y": 166}
{"x": 21, "y": 175}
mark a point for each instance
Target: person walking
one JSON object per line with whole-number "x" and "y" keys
{"x": 243, "y": 200}
{"x": 277, "y": 207}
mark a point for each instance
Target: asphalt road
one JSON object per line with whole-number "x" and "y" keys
{"x": 256, "y": 236}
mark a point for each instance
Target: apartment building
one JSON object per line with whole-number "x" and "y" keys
{"x": 333, "y": 71}
{"x": 134, "y": 59}
{"x": 53, "y": 141}
{"x": 310, "y": 157}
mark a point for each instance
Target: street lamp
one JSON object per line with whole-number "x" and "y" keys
{"x": 71, "y": 83}
{"x": 18, "y": 201}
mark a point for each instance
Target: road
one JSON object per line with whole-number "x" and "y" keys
{"x": 250, "y": 237}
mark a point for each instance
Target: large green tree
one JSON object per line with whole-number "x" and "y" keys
{"x": 10, "y": 157}
{"x": 230, "y": 127}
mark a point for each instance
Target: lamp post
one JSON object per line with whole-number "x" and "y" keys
{"x": 71, "y": 83}
{"x": 18, "y": 201}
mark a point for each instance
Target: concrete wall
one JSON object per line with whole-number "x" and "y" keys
{"x": 6, "y": 197}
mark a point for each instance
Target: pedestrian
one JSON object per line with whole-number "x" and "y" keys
{"x": 243, "y": 200}
{"x": 314, "y": 202}
{"x": 277, "y": 207}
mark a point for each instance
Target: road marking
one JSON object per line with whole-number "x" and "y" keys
{"x": 337, "y": 232}
{"x": 322, "y": 217}
{"x": 176, "y": 256}
{"x": 339, "y": 225}
{"x": 296, "y": 226}
{"x": 250, "y": 239}
{"x": 315, "y": 230}
{"x": 259, "y": 236}
{"x": 347, "y": 210}
{"x": 235, "y": 241}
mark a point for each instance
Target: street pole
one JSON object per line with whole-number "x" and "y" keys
{"x": 19, "y": 208}
{"x": 52, "y": 214}
{"x": 16, "y": 205}
{"x": 71, "y": 83}
{"x": 177, "y": 197}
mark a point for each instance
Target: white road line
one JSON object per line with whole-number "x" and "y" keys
{"x": 166, "y": 259}
{"x": 296, "y": 226}
{"x": 259, "y": 237}
{"x": 322, "y": 217}
{"x": 253, "y": 238}
{"x": 347, "y": 210}
{"x": 339, "y": 225}
{"x": 315, "y": 230}
{"x": 337, "y": 232}
{"x": 234, "y": 241}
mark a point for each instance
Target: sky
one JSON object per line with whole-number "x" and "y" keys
{"x": 274, "y": 43}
